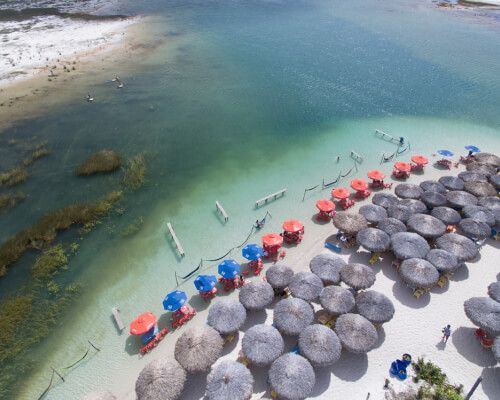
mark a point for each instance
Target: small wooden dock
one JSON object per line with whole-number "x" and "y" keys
{"x": 221, "y": 211}
{"x": 118, "y": 318}
{"x": 176, "y": 241}
{"x": 356, "y": 157}
{"x": 273, "y": 196}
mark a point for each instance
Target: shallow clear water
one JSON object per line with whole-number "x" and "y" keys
{"x": 251, "y": 99}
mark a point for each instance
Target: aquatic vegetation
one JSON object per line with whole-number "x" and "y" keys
{"x": 9, "y": 200}
{"x": 135, "y": 172}
{"x": 39, "y": 152}
{"x": 436, "y": 385}
{"x": 50, "y": 262}
{"x": 44, "y": 231}
{"x": 13, "y": 176}
{"x": 132, "y": 228}
{"x": 101, "y": 162}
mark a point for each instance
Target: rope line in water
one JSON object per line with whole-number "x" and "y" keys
{"x": 76, "y": 362}
{"x": 307, "y": 190}
{"x": 347, "y": 174}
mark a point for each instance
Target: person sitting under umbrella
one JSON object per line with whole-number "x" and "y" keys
{"x": 253, "y": 253}
{"x": 401, "y": 170}
{"x": 271, "y": 244}
{"x": 229, "y": 270}
{"x": 293, "y": 231}
{"x": 470, "y": 155}
{"x": 419, "y": 162}
{"x": 145, "y": 326}
{"x": 445, "y": 162}
{"x": 342, "y": 195}
{"x": 326, "y": 209}
{"x": 176, "y": 303}
{"x": 361, "y": 188}
{"x": 206, "y": 286}
{"x": 377, "y": 178}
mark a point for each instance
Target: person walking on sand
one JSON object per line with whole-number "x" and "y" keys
{"x": 446, "y": 333}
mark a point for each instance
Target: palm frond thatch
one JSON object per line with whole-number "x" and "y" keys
{"x": 374, "y": 306}
{"x": 262, "y": 344}
{"x": 292, "y": 315}
{"x": 418, "y": 273}
{"x": 480, "y": 213}
{"x": 373, "y": 239}
{"x": 485, "y": 313}
{"x": 426, "y": 226}
{"x": 292, "y": 377}
{"x": 279, "y": 275}
{"x": 480, "y": 189}
{"x": 198, "y": 348}
{"x": 408, "y": 191}
{"x": 409, "y": 245}
{"x": 306, "y": 286}
{"x": 476, "y": 230}
{"x": 452, "y": 182}
{"x": 327, "y": 266}
{"x": 433, "y": 186}
{"x": 391, "y": 226}
{"x": 447, "y": 215}
{"x": 229, "y": 380}
{"x": 357, "y": 276}
{"x": 256, "y": 295}
{"x": 226, "y": 316}
{"x": 443, "y": 260}
{"x": 320, "y": 345}
{"x": 161, "y": 379}
{"x": 373, "y": 213}
{"x": 462, "y": 247}
{"x": 433, "y": 199}
{"x": 356, "y": 333}
{"x": 337, "y": 300}
{"x": 349, "y": 223}
{"x": 460, "y": 199}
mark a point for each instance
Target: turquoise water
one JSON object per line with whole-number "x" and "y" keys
{"x": 241, "y": 101}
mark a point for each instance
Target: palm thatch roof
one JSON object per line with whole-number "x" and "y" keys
{"x": 374, "y": 306}
{"x": 279, "y": 275}
{"x": 416, "y": 206}
{"x": 292, "y": 377}
{"x": 349, "y": 223}
{"x": 487, "y": 158}
{"x": 426, "y": 226}
{"x": 494, "y": 291}
{"x": 476, "y": 230}
{"x": 460, "y": 199}
{"x": 463, "y": 248}
{"x": 468, "y": 176}
{"x": 356, "y": 333}
{"x": 447, "y": 215}
{"x": 373, "y": 213}
{"x": 198, "y": 348}
{"x": 306, "y": 286}
{"x": 384, "y": 199}
{"x": 409, "y": 245}
{"x": 373, "y": 239}
{"x": 485, "y": 313}
{"x": 484, "y": 169}
{"x": 320, "y": 345}
{"x": 418, "y": 273}
{"x": 408, "y": 191}
{"x": 105, "y": 395}
{"x": 480, "y": 213}
{"x": 262, "y": 344}
{"x": 391, "y": 226}
{"x": 226, "y": 316}
{"x": 496, "y": 348}
{"x": 491, "y": 203}
{"x": 161, "y": 379}
{"x": 452, "y": 182}
{"x": 433, "y": 186}
{"x": 357, "y": 276}
{"x": 229, "y": 380}
{"x": 480, "y": 189}
{"x": 337, "y": 300}
{"x": 292, "y": 315}
{"x": 256, "y": 295}
{"x": 327, "y": 266}
{"x": 495, "y": 181}
{"x": 443, "y": 260}
{"x": 433, "y": 199}
{"x": 400, "y": 212}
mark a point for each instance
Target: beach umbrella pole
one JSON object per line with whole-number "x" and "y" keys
{"x": 473, "y": 388}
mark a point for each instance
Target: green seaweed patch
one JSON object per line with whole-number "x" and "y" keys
{"x": 103, "y": 161}
{"x": 133, "y": 228}
{"x": 36, "y": 154}
{"x": 44, "y": 231}
{"x": 13, "y": 176}
{"x": 9, "y": 200}
{"x": 135, "y": 172}
{"x": 50, "y": 262}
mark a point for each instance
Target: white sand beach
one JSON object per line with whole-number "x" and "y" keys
{"x": 415, "y": 328}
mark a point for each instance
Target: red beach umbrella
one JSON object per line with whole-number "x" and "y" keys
{"x": 272, "y": 239}
{"x": 420, "y": 160}
{"x": 293, "y": 225}
{"x": 376, "y": 175}
{"x": 359, "y": 184}
{"x": 143, "y": 323}
{"x": 341, "y": 193}
{"x": 325, "y": 205}
{"x": 402, "y": 166}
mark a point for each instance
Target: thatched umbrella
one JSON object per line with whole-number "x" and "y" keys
{"x": 198, "y": 348}
{"x": 480, "y": 189}
{"x": 433, "y": 199}
{"x": 426, "y": 226}
{"x": 408, "y": 191}
{"x": 262, "y": 344}
{"x": 400, "y": 212}
{"x": 452, "y": 182}
{"x": 373, "y": 239}
{"x": 416, "y": 206}
{"x": 292, "y": 315}
{"x": 337, "y": 300}
{"x": 433, "y": 186}
{"x": 447, "y": 215}
{"x": 476, "y": 230}
{"x": 485, "y": 313}
{"x": 495, "y": 181}
{"x": 480, "y": 213}
{"x": 226, "y": 316}
{"x": 467, "y": 176}
{"x": 292, "y": 377}
{"x": 327, "y": 266}
{"x": 490, "y": 202}
{"x": 375, "y": 306}
{"x": 384, "y": 199}
{"x": 419, "y": 273}
{"x": 279, "y": 275}
{"x": 356, "y": 333}
{"x": 496, "y": 348}
{"x": 391, "y": 226}
{"x": 306, "y": 286}
{"x": 349, "y": 223}
{"x": 161, "y": 379}
{"x": 320, "y": 345}
{"x": 484, "y": 169}
{"x": 373, "y": 213}
{"x": 357, "y": 276}
{"x": 463, "y": 248}
{"x": 494, "y": 291}
{"x": 460, "y": 199}
{"x": 229, "y": 380}
{"x": 409, "y": 245}
{"x": 106, "y": 395}
{"x": 487, "y": 158}
{"x": 443, "y": 260}
{"x": 256, "y": 295}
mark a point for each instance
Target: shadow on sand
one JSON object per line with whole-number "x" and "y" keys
{"x": 469, "y": 347}
{"x": 350, "y": 367}
{"x": 405, "y": 296}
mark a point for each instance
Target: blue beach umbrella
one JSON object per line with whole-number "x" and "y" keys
{"x": 174, "y": 300}
{"x": 229, "y": 269}
{"x": 446, "y": 153}
{"x": 472, "y": 148}
{"x": 252, "y": 252}
{"x": 205, "y": 283}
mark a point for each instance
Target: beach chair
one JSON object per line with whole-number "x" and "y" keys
{"x": 444, "y": 163}
{"x": 442, "y": 281}
{"x": 228, "y": 339}
{"x": 418, "y": 292}
{"x": 374, "y": 258}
